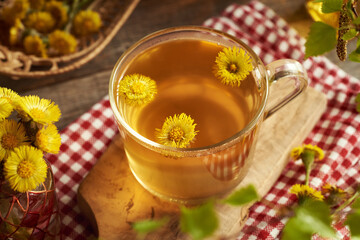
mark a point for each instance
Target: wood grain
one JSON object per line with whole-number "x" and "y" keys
{"x": 111, "y": 192}
{"x": 75, "y": 92}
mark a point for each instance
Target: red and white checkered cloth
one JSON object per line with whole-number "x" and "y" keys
{"x": 271, "y": 38}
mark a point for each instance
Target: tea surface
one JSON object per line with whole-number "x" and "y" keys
{"x": 183, "y": 71}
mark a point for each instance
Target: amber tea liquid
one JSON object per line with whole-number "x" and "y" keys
{"x": 183, "y": 71}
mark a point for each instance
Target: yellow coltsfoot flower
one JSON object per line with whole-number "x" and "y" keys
{"x": 137, "y": 89}
{"x": 308, "y": 154}
{"x": 86, "y": 22}
{"x": 304, "y": 192}
{"x": 42, "y": 22}
{"x": 62, "y": 43}
{"x": 232, "y": 66}
{"x": 42, "y": 111}
{"x": 25, "y": 168}
{"x": 5, "y": 109}
{"x": 36, "y": 4}
{"x": 17, "y": 10}
{"x": 328, "y": 188}
{"x": 8, "y": 101}
{"x": 48, "y": 139}
{"x": 8, "y": 94}
{"x": 58, "y": 11}
{"x": 34, "y": 45}
{"x": 177, "y": 131}
{"x": 12, "y": 135}
{"x": 335, "y": 195}
{"x": 16, "y": 32}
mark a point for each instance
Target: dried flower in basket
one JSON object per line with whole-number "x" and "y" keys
{"x": 24, "y": 137}
{"x": 47, "y": 28}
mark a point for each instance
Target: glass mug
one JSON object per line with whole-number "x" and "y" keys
{"x": 181, "y": 61}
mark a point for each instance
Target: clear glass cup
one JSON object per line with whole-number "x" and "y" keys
{"x": 191, "y": 175}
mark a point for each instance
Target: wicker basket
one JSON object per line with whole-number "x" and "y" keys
{"x": 113, "y": 14}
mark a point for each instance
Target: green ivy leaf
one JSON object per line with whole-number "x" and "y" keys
{"x": 200, "y": 221}
{"x": 330, "y": 6}
{"x": 321, "y": 39}
{"x": 147, "y": 226}
{"x": 350, "y": 34}
{"x": 310, "y": 217}
{"x": 242, "y": 196}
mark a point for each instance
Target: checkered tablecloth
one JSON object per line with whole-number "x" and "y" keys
{"x": 271, "y": 38}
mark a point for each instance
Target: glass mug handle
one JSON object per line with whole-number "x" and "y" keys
{"x": 287, "y": 78}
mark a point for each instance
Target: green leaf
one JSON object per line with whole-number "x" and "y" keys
{"x": 350, "y": 34}
{"x": 357, "y": 99}
{"x": 316, "y": 218}
{"x": 356, "y": 21}
{"x": 354, "y": 56}
{"x": 321, "y": 39}
{"x": 310, "y": 217}
{"x": 356, "y": 204}
{"x": 330, "y": 6}
{"x": 200, "y": 221}
{"x": 353, "y": 221}
{"x": 147, "y": 226}
{"x": 242, "y": 196}
{"x": 358, "y": 107}
{"x": 293, "y": 231}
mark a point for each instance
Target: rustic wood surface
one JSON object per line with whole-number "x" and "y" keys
{"x": 110, "y": 191}
{"x": 75, "y": 92}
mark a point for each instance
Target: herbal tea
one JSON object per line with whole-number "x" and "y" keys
{"x": 186, "y": 83}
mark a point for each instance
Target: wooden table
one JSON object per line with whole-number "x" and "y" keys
{"x": 75, "y": 92}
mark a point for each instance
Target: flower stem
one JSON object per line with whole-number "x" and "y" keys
{"x": 73, "y": 11}
{"x": 347, "y": 202}
{"x": 307, "y": 158}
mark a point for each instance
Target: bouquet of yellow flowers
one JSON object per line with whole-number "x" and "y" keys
{"x": 24, "y": 137}
{"x": 46, "y": 28}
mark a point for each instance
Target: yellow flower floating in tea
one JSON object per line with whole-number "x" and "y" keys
{"x": 232, "y": 66}
{"x": 137, "y": 89}
{"x": 177, "y": 131}
{"x": 12, "y": 135}
{"x": 25, "y": 168}
{"x": 42, "y": 111}
{"x": 303, "y": 192}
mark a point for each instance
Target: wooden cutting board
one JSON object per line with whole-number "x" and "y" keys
{"x": 112, "y": 199}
